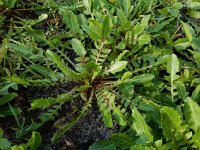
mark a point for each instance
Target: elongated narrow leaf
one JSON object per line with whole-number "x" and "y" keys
{"x": 140, "y": 126}
{"x": 78, "y": 47}
{"x": 194, "y": 13}
{"x": 47, "y": 72}
{"x": 7, "y": 98}
{"x": 196, "y": 56}
{"x": 140, "y": 79}
{"x": 18, "y": 80}
{"x": 173, "y": 69}
{"x": 196, "y": 93}
{"x": 188, "y": 31}
{"x": 46, "y": 102}
{"x": 66, "y": 70}
{"x": 192, "y": 113}
{"x": 107, "y": 26}
{"x": 64, "y": 128}
{"x": 5, "y": 111}
{"x": 6, "y": 87}
{"x": 181, "y": 89}
{"x": 170, "y": 122}
{"x": 118, "y": 116}
{"x": 173, "y": 66}
{"x": 23, "y": 50}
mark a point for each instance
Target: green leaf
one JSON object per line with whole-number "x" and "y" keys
{"x": 70, "y": 19}
{"x": 127, "y": 90}
{"x": 196, "y": 93}
{"x": 196, "y": 56}
{"x": 5, "y": 111}
{"x": 106, "y": 28}
{"x": 122, "y": 140}
{"x": 4, "y": 144}
{"x": 95, "y": 30}
{"x": 170, "y": 122}
{"x": 151, "y": 108}
{"x": 16, "y": 147}
{"x": 18, "y": 80}
{"x": 118, "y": 116}
{"x": 196, "y": 139}
{"x": 181, "y": 89}
{"x": 193, "y": 4}
{"x": 141, "y": 79}
{"x": 192, "y": 114}
{"x": 38, "y": 36}
{"x": 173, "y": 69}
{"x": 138, "y": 29}
{"x": 173, "y": 66}
{"x": 78, "y": 47}
{"x": 140, "y": 126}
{"x": 144, "y": 39}
{"x": 66, "y": 70}
{"x": 35, "y": 141}
{"x": 103, "y": 145}
{"x": 87, "y": 4}
{"x": 7, "y": 98}
{"x": 182, "y": 43}
{"x": 44, "y": 102}
{"x": 23, "y": 50}
{"x": 160, "y": 26}
{"x": 6, "y": 87}
{"x": 47, "y": 72}
{"x": 9, "y": 3}
{"x": 187, "y": 30}
{"x": 141, "y": 147}
{"x": 1, "y": 133}
{"x": 194, "y": 14}
{"x": 117, "y": 66}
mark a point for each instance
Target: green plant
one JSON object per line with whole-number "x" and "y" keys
{"x": 138, "y": 61}
{"x": 33, "y": 143}
{"x": 177, "y": 132}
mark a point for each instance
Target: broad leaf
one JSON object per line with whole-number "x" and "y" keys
{"x": 192, "y": 114}
{"x": 140, "y": 126}
{"x": 106, "y": 28}
{"x": 78, "y": 47}
{"x": 4, "y": 144}
{"x": 103, "y": 145}
{"x": 144, "y": 39}
{"x": 35, "y": 141}
{"x": 122, "y": 140}
{"x": 170, "y": 122}
{"x": 117, "y": 66}
{"x": 70, "y": 19}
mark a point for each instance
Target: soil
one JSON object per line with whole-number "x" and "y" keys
{"x": 88, "y": 130}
